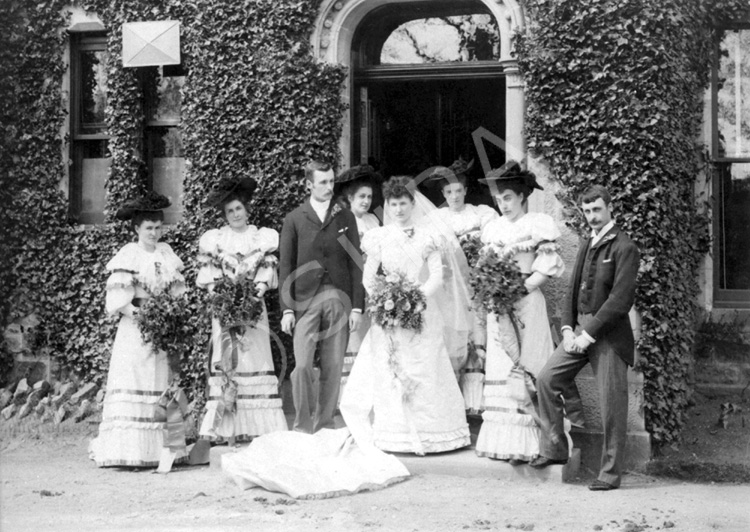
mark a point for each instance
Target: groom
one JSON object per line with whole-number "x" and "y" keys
{"x": 321, "y": 293}
{"x": 596, "y": 329}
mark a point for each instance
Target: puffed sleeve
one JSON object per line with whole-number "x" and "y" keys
{"x": 267, "y": 271}
{"x": 547, "y": 260}
{"x": 209, "y": 262}
{"x": 486, "y": 215}
{"x": 123, "y": 268}
{"x": 371, "y": 247}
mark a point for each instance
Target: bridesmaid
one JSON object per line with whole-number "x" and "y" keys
{"x": 465, "y": 221}
{"x": 240, "y": 249}
{"x": 357, "y": 185}
{"x": 129, "y": 434}
{"x": 509, "y": 429}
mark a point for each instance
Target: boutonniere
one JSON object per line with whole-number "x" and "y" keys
{"x": 609, "y": 237}
{"x": 336, "y": 209}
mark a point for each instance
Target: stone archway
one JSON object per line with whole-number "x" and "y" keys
{"x": 332, "y": 42}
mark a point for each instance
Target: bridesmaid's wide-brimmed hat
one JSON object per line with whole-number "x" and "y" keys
{"x": 511, "y": 172}
{"x": 151, "y": 202}
{"x": 362, "y": 174}
{"x": 243, "y": 187}
{"x": 356, "y": 173}
{"x": 442, "y": 175}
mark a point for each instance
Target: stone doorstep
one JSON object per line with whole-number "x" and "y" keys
{"x": 463, "y": 463}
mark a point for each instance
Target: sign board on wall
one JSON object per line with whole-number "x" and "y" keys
{"x": 151, "y": 43}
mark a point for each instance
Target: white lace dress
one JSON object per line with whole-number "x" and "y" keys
{"x": 466, "y": 223}
{"x": 509, "y": 430}
{"x": 258, "y": 409}
{"x": 430, "y": 417}
{"x": 137, "y": 376}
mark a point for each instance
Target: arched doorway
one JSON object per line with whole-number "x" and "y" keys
{"x": 416, "y": 103}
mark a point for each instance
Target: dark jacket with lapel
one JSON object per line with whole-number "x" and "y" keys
{"x": 308, "y": 249}
{"x": 610, "y": 287}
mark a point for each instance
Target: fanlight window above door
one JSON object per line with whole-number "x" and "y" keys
{"x": 424, "y": 34}
{"x": 460, "y": 38}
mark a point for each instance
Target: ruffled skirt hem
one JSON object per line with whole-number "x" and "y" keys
{"x": 244, "y": 424}
{"x": 508, "y": 440}
{"x": 127, "y": 447}
{"x": 432, "y": 442}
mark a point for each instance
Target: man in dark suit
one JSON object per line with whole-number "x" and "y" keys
{"x": 596, "y": 329}
{"x": 321, "y": 293}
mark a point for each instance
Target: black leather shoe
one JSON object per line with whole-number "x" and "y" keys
{"x": 600, "y": 485}
{"x": 540, "y": 462}
{"x": 516, "y": 462}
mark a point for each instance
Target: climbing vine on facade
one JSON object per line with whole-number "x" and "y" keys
{"x": 615, "y": 96}
{"x": 255, "y": 103}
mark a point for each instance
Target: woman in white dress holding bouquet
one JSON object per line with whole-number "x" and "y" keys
{"x": 518, "y": 342}
{"x": 130, "y": 434}
{"x": 237, "y": 264}
{"x": 402, "y": 395}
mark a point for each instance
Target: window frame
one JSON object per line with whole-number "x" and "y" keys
{"x": 81, "y": 42}
{"x": 151, "y": 126}
{"x": 722, "y": 297}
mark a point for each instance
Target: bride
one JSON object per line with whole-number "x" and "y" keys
{"x": 402, "y": 377}
{"x": 379, "y": 416}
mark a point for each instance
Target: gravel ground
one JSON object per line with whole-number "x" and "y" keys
{"x": 48, "y": 483}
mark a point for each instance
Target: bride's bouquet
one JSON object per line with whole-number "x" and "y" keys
{"x": 497, "y": 282}
{"x": 395, "y": 301}
{"x": 235, "y": 303}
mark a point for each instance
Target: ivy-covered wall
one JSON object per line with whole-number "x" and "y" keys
{"x": 615, "y": 97}
{"x": 255, "y": 103}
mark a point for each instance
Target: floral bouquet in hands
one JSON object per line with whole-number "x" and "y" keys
{"x": 395, "y": 301}
{"x": 162, "y": 320}
{"x": 235, "y": 303}
{"x": 471, "y": 245}
{"x": 497, "y": 282}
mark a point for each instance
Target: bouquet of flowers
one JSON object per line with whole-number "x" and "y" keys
{"x": 395, "y": 301}
{"x": 497, "y": 282}
{"x": 236, "y": 303}
{"x": 471, "y": 246}
{"x": 162, "y": 320}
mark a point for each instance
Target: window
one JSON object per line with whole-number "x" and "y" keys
{"x": 445, "y": 39}
{"x": 89, "y": 142}
{"x": 164, "y": 153}
{"x": 731, "y": 151}
{"x": 427, "y": 34}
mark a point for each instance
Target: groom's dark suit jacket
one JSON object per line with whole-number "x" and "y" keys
{"x": 603, "y": 284}
{"x": 312, "y": 252}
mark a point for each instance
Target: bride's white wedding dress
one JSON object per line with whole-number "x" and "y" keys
{"x": 402, "y": 394}
{"x": 338, "y": 462}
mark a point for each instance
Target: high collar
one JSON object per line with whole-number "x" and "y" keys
{"x": 596, "y": 238}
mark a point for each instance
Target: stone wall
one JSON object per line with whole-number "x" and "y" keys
{"x": 722, "y": 352}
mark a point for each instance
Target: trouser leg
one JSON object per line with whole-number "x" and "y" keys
{"x": 305, "y": 332}
{"x": 612, "y": 380}
{"x": 334, "y": 335}
{"x": 573, "y": 405}
{"x": 556, "y": 376}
